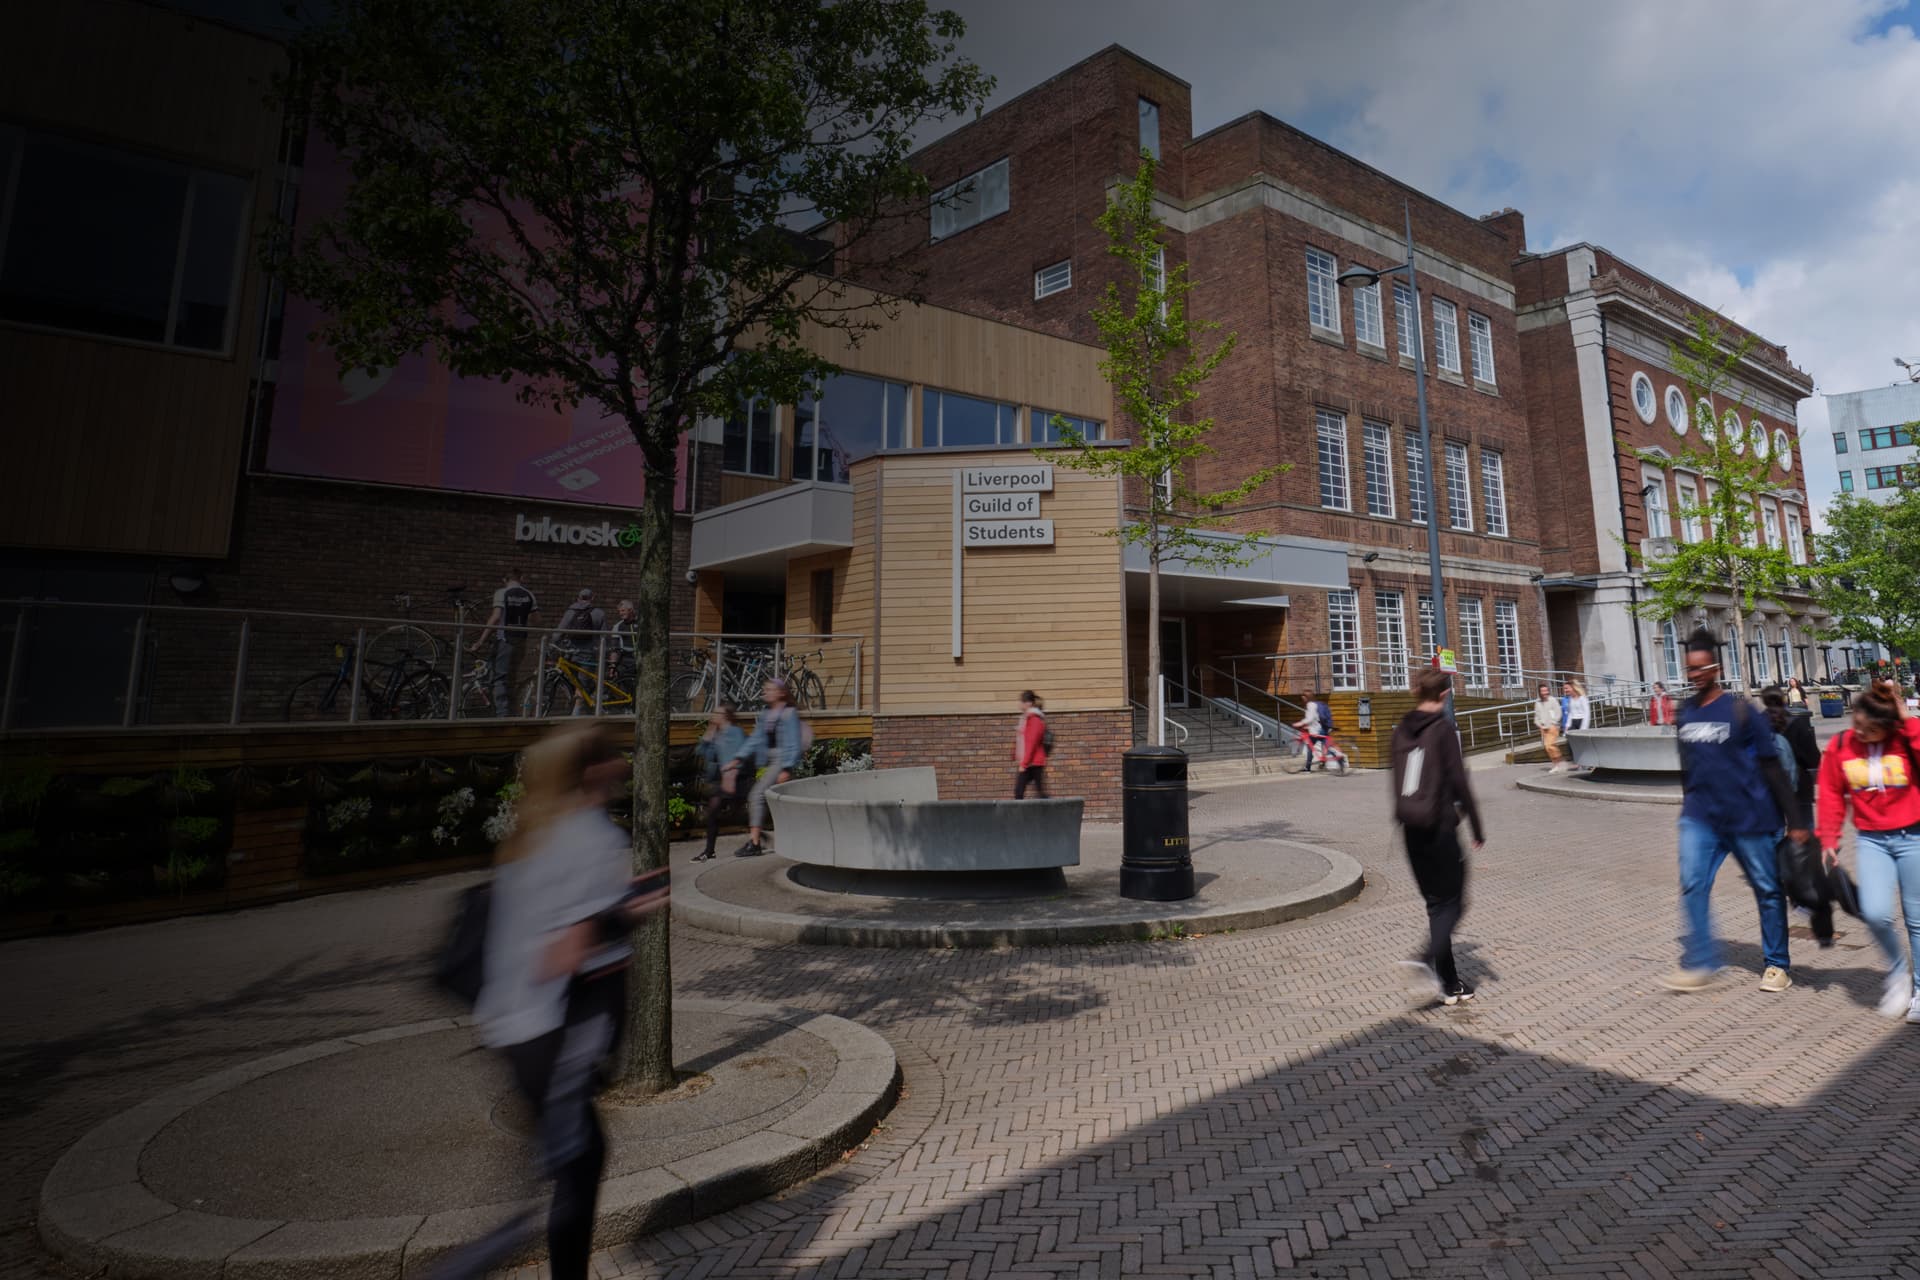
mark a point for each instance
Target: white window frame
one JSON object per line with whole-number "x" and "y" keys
{"x": 1787, "y": 669}
{"x": 1770, "y": 524}
{"x": 1762, "y": 657}
{"x": 1676, "y": 420}
{"x": 1688, "y": 491}
{"x": 1406, "y": 320}
{"x": 1330, "y": 434}
{"x": 1459, "y": 495}
{"x": 1735, "y": 659}
{"x": 1493, "y": 491}
{"x": 1343, "y": 638}
{"x": 1796, "y": 536}
{"x": 1376, "y": 446}
{"x": 1368, "y": 327}
{"x": 995, "y": 180}
{"x": 1322, "y": 293}
{"x": 1639, "y": 383}
{"x": 1057, "y": 278}
{"x": 1670, "y": 653}
{"x": 1473, "y": 642}
{"x": 1390, "y": 637}
{"x": 1783, "y": 448}
{"x": 1506, "y": 636}
{"x": 1659, "y": 519}
{"x": 1429, "y": 634}
{"x": 1479, "y": 335}
{"x": 1417, "y": 495}
{"x": 1163, "y": 485}
{"x": 1446, "y": 336}
{"x": 1158, "y": 279}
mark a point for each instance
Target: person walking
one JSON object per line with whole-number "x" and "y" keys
{"x": 514, "y": 609}
{"x": 579, "y": 636}
{"x": 1801, "y": 761}
{"x": 1030, "y": 747}
{"x": 719, "y": 753}
{"x": 1660, "y": 705}
{"x": 553, "y": 1000}
{"x": 775, "y": 749}
{"x": 1735, "y": 799}
{"x": 1317, "y": 724}
{"x": 1796, "y": 695}
{"x": 1546, "y": 718}
{"x": 1874, "y": 767}
{"x": 1431, "y": 791}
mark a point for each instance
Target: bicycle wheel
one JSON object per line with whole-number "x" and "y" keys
{"x": 556, "y": 700}
{"x": 423, "y": 697}
{"x": 318, "y": 698}
{"x": 476, "y": 699}
{"x": 688, "y": 693}
{"x": 808, "y": 691}
{"x": 403, "y": 643}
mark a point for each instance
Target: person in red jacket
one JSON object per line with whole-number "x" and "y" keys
{"x": 1876, "y": 765}
{"x": 1030, "y": 750}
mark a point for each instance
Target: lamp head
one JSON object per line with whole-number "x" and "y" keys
{"x": 1370, "y": 557}
{"x": 1357, "y": 277}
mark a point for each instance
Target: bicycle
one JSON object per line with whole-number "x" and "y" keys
{"x": 1305, "y": 750}
{"x": 566, "y": 681}
{"x": 405, "y": 688}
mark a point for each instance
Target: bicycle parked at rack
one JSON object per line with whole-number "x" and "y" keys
{"x": 403, "y": 688}
{"x": 748, "y": 669}
{"x": 566, "y": 681}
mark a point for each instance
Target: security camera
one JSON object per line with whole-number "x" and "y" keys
{"x": 693, "y": 577}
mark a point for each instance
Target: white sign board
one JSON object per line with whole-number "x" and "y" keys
{"x": 1034, "y": 479}
{"x": 1001, "y": 506}
{"x": 1008, "y": 533}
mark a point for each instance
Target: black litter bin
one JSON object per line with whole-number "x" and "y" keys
{"x": 1156, "y": 864}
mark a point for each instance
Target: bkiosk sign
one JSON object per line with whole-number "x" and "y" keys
{"x": 547, "y": 529}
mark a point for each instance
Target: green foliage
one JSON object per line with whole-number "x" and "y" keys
{"x": 680, "y": 811}
{"x": 24, "y": 782}
{"x": 1868, "y": 570}
{"x": 190, "y": 782}
{"x": 187, "y": 832}
{"x": 124, "y": 788}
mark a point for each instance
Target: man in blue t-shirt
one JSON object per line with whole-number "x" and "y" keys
{"x": 1734, "y": 793}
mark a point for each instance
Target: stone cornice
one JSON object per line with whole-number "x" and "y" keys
{"x": 1770, "y": 359}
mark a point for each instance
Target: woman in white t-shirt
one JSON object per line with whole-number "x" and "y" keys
{"x": 1579, "y": 709}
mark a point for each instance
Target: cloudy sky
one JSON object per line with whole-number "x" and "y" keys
{"x": 1760, "y": 155}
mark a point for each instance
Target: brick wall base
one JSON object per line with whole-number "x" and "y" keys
{"x": 973, "y": 755}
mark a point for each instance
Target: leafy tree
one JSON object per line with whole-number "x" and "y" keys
{"x": 1156, "y": 372}
{"x": 588, "y": 198}
{"x": 1868, "y": 573}
{"x": 1731, "y": 556}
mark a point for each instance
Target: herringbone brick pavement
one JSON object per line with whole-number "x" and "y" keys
{"x": 1230, "y": 1106}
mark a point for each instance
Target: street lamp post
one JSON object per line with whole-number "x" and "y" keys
{"x": 1362, "y": 277}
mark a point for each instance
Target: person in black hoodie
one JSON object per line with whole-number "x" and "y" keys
{"x": 1430, "y": 792}
{"x": 1798, "y": 732}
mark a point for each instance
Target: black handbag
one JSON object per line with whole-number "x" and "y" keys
{"x": 459, "y": 967}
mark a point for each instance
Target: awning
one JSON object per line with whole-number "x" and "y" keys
{"x": 757, "y": 536}
{"x": 1275, "y": 564}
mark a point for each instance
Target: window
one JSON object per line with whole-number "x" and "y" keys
{"x": 1757, "y": 438}
{"x": 970, "y": 201}
{"x": 1734, "y": 434}
{"x": 1655, "y": 485}
{"x": 1762, "y": 664}
{"x": 1429, "y": 642}
{"x": 1057, "y": 278}
{"x": 851, "y": 418}
{"x": 1839, "y": 442}
{"x": 1506, "y": 634}
{"x": 1333, "y": 460}
{"x": 1892, "y": 477}
{"x": 952, "y": 420}
{"x": 1703, "y": 419}
{"x": 1677, "y": 410}
{"x": 1446, "y": 335}
{"x": 1041, "y": 429}
{"x": 1406, "y": 319}
{"x": 1150, "y": 128}
{"x": 821, "y": 599}
{"x": 1473, "y": 643}
{"x": 1770, "y": 522}
{"x": 1493, "y": 491}
{"x": 1343, "y": 638}
{"x": 1157, "y": 279}
{"x": 1390, "y": 634}
{"x": 1786, "y": 653}
{"x": 1323, "y": 295}
{"x": 1163, "y": 489}
{"x": 1846, "y": 482}
{"x": 1689, "y": 508}
{"x": 1377, "y": 440}
{"x": 1644, "y": 403}
{"x": 121, "y": 245}
{"x": 1782, "y": 448}
{"x": 1670, "y": 652}
{"x": 1796, "y": 536}
{"x": 1734, "y": 658}
{"x": 1416, "y": 479}
{"x": 1367, "y": 326}
{"x": 1459, "y": 494}
{"x": 746, "y": 440}
{"x": 1480, "y": 346}
{"x": 1885, "y": 437}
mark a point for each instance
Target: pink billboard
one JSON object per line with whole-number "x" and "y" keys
{"x": 417, "y": 424}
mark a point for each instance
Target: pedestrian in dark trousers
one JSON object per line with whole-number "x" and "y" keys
{"x": 1431, "y": 791}
{"x": 718, "y": 750}
{"x": 1030, "y": 749}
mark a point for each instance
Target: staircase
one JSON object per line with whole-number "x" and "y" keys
{"x": 1218, "y": 744}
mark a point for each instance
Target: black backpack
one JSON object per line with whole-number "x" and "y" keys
{"x": 1046, "y": 735}
{"x": 459, "y": 966}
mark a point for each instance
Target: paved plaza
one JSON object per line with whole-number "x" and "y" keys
{"x": 1229, "y": 1105}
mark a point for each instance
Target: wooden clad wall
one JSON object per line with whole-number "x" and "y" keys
{"x": 1051, "y": 619}
{"x": 115, "y": 446}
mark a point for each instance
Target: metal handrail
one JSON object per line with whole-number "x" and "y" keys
{"x": 1172, "y": 723}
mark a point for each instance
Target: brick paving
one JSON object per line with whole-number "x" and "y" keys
{"x": 1226, "y": 1106}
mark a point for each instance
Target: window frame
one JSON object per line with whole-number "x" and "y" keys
{"x": 1347, "y": 661}
{"x": 1455, "y": 509}
{"x": 1376, "y": 444}
{"x": 1506, "y": 619}
{"x": 773, "y": 441}
{"x": 1839, "y": 442}
{"x": 1148, "y": 109}
{"x": 1041, "y": 420}
{"x": 1323, "y": 421}
{"x": 1446, "y": 337}
{"x": 1654, "y": 482}
{"x": 1390, "y": 638}
{"x": 1493, "y": 491}
{"x": 1424, "y": 623}
{"x": 1846, "y": 482}
{"x": 936, "y": 422}
{"x": 1639, "y": 382}
{"x": 1796, "y": 534}
{"x": 978, "y": 175}
{"x": 1366, "y": 314}
{"x": 1687, "y": 494}
{"x": 1670, "y": 653}
{"x": 1677, "y": 421}
{"x": 1475, "y": 333}
{"x": 1321, "y": 279}
{"x": 1417, "y": 491}
{"x": 1473, "y": 643}
{"x": 1771, "y": 532}
{"x": 1406, "y": 320}
{"x": 1043, "y": 289}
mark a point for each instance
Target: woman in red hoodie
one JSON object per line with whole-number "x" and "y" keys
{"x": 1030, "y": 750}
{"x": 1876, "y": 766}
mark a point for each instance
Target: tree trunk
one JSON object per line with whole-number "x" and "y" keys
{"x": 1155, "y": 730}
{"x": 1740, "y": 631}
{"x": 647, "y": 1056}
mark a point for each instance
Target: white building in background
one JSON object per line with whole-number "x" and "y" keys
{"x": 1874, "y": 433}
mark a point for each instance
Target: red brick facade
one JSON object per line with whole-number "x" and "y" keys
{"x": 973, "y": 755}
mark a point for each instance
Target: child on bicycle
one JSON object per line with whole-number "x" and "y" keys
{"x": 1317, "y": 728}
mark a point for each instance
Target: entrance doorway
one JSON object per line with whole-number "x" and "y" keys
{"x": 1173, "y": 659}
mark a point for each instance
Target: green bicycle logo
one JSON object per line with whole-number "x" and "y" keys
{"x": 628, "y": 537}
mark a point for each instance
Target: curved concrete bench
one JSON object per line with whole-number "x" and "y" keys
{"x": 1637, "y": 747}
{"x": 894, "y": 820}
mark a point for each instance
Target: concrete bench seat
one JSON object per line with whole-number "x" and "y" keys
{"x": 1637, "y": 748}
{"x": 894, "y": 820}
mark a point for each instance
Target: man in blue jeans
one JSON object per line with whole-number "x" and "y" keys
{"x": 1734, "y": 793}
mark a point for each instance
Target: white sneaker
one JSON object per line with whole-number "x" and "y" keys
{"x": 1897, "y": 998}
{"x": 1421, "y": 979}
{"x": 1913, "y": 1011}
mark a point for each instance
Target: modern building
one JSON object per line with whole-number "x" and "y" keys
{"x": 1604, "y": 396}
{"x": 1874, "y": 439}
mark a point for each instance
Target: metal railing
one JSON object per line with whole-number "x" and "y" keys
{"x": 1367, "y": 668}
{"x": 85, "y": 664}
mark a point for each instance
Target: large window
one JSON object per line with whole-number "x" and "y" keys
{"x": 1332, "y": 430}
{"x": 1459, "y": 488}
{"x": 970, "y": 201}
{"x": 1057, "y": 278}
{"x": 1473, "y": 643}
{"x": 1378, "y": 442}
{"x": 1762, "y": 656}
{"x": 1493, "y": 491}
{"x": 1689, "y": 508}
{"x": 1890, "y": 477}
{"x": 1390, "y": 634}
{"x": 1429, "y": 638}
{"x": 1480, "y": 346}
{"x": 852, "y": 418}
{"x": 746, "y": 440}
{"x": 1343, "y": 638}
{"x": 1323, "y": 295}
{"x": 1654, "y": 484}
{"x": 1770, "y": 523}
{"x": 109, "y": 242}
{"x": 951, "y": 420}
{"x": 1796, "y": 536}
{"x": 1157, "y": 278}
{"x": 1786, "y": 653}
{"x": 1506, "y": 634}
{"x": 1446, "y": 335}
{"x": 1041, "y": 429}
{"x": 1885, "y": 437}
{"x": 1367, "y": 325}
{"x": 1406, "y": 326}
{"x": 1150, "y": 128}
{"x": 1670, "y": 652}
{"x": 1734, "y": 658}
{"x": 1416, "y": 479}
